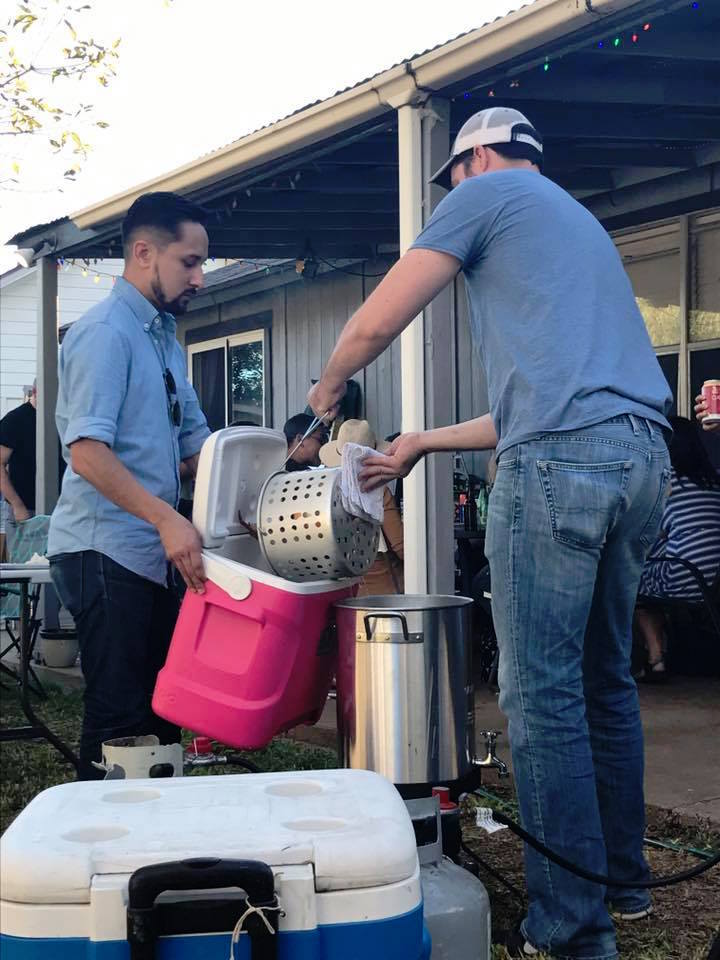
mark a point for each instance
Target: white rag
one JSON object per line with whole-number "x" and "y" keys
{"x": 358, "y": 503}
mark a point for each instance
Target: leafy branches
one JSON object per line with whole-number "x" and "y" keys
{"x": 46, "y": 59}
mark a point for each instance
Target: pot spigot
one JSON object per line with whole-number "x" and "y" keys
{"x": 490, "y": 761}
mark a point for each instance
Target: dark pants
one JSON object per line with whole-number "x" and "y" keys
{"x": 124, "y": 624}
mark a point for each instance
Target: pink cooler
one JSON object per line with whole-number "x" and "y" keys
{"x": 255, "y": 654}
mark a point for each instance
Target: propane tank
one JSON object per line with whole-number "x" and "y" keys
{"x": 456, "y": 906}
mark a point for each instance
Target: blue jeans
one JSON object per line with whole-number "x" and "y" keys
{"x": 124, "y": 624}
{"x": 572, "y": 516}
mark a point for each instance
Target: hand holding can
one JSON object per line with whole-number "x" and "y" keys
{"x": 707, "y": 405}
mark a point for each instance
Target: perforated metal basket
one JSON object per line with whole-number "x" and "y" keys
{"x": 305, "y": 532}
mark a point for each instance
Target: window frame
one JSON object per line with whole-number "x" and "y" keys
{"x": 256, "y": 328}
{"x": 675, "y": 227}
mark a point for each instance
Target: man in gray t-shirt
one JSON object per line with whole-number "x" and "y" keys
{"x": 577, "y": 415}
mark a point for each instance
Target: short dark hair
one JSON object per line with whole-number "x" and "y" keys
{"x": 163, "y": 212}
{"x": 516, "y": 150}
{"x": 297, "y": 425}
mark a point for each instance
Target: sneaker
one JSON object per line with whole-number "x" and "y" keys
{"x": 641, "y": 914}
{"x": 516, "y": 945}
{"x": 653, "y": 673}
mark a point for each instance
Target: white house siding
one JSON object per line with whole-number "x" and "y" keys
{"x": 76, "y": 293}
{"x": 17, "y": 339}
{"x": 18, "y": 318}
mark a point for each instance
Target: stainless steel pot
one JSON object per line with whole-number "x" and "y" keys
{"x": 404, "y": 687}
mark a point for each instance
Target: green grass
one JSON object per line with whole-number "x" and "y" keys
{"x": 28, "y": 768}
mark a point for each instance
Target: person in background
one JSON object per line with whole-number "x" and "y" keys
{"x": 17, "y": 465}
{"x": 690, "y": 530}
{"x": 305, "y": 453}
{"x": 385, "y": 576}
{"x": 132, "y": 429}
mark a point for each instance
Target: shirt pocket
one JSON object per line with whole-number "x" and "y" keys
{"x": 583, "y": 499}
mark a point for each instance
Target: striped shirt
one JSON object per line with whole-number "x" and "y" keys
{"x": 691, "y": 530}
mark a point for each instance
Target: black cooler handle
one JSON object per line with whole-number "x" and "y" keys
{"x": 202, "y": 873}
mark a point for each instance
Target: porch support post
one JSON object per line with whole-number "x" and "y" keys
{"x": 426, "y": 352}
{"x": 439, "y": 380}
{"x": 412, "y": 352}
{"x": 46, "y": 479}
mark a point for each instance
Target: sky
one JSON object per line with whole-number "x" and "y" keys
{"x": 193, "y": 75}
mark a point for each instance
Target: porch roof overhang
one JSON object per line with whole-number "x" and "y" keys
{"x": 632, "y": 130}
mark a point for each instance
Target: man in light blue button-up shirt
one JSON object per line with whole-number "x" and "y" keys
{"x": 131, "y": 428}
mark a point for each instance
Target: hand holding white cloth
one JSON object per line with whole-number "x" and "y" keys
{"x": 358, "y": 503}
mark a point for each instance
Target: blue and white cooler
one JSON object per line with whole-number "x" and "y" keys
{"x": 277, "y": 866}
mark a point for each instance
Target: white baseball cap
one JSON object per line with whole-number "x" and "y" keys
{"x": 496, "y": 125}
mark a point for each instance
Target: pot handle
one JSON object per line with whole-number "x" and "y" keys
{"x": 390, "y": 615}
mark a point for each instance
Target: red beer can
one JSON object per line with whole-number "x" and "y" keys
{"x": 711, "y": 396}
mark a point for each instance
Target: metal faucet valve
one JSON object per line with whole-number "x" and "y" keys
{"x": 490, "y": 760}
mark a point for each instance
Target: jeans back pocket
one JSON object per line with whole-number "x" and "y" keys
{"x": 583, "y": 499}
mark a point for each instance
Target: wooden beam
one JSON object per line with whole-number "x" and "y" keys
{"x": 363, "y": 154}
{"x": 329, "y": 181}
{"x": 572, "y": 121}
{"x": 583, "y": 179}
{"x": 568, "y": 155}
{"x": 299, "y": 222}
{"x": 308, "y": 202}
{"x": 562, "y": 87}
{"x": 278, "y": 249}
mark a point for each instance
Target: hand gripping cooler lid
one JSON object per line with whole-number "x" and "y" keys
{"x": 351, "y": 825}
{"x": 234, "y": 463}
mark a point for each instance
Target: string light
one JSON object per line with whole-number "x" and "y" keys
{"x": 634, "y": 38}
{"x": 646, "y": 27}
{"x": 617, "y": 41}
{"x": 546, "y": 65}
{"x": 86, "y": 271}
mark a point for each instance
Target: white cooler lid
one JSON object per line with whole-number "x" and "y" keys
{"x": 351, "y": 825}
{"x": 234, "y": 464}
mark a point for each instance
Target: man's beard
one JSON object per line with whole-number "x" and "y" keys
{"x": 175, "y": 307}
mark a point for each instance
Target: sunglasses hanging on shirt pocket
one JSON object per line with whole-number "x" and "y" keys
{"x": 173, "y": 402}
